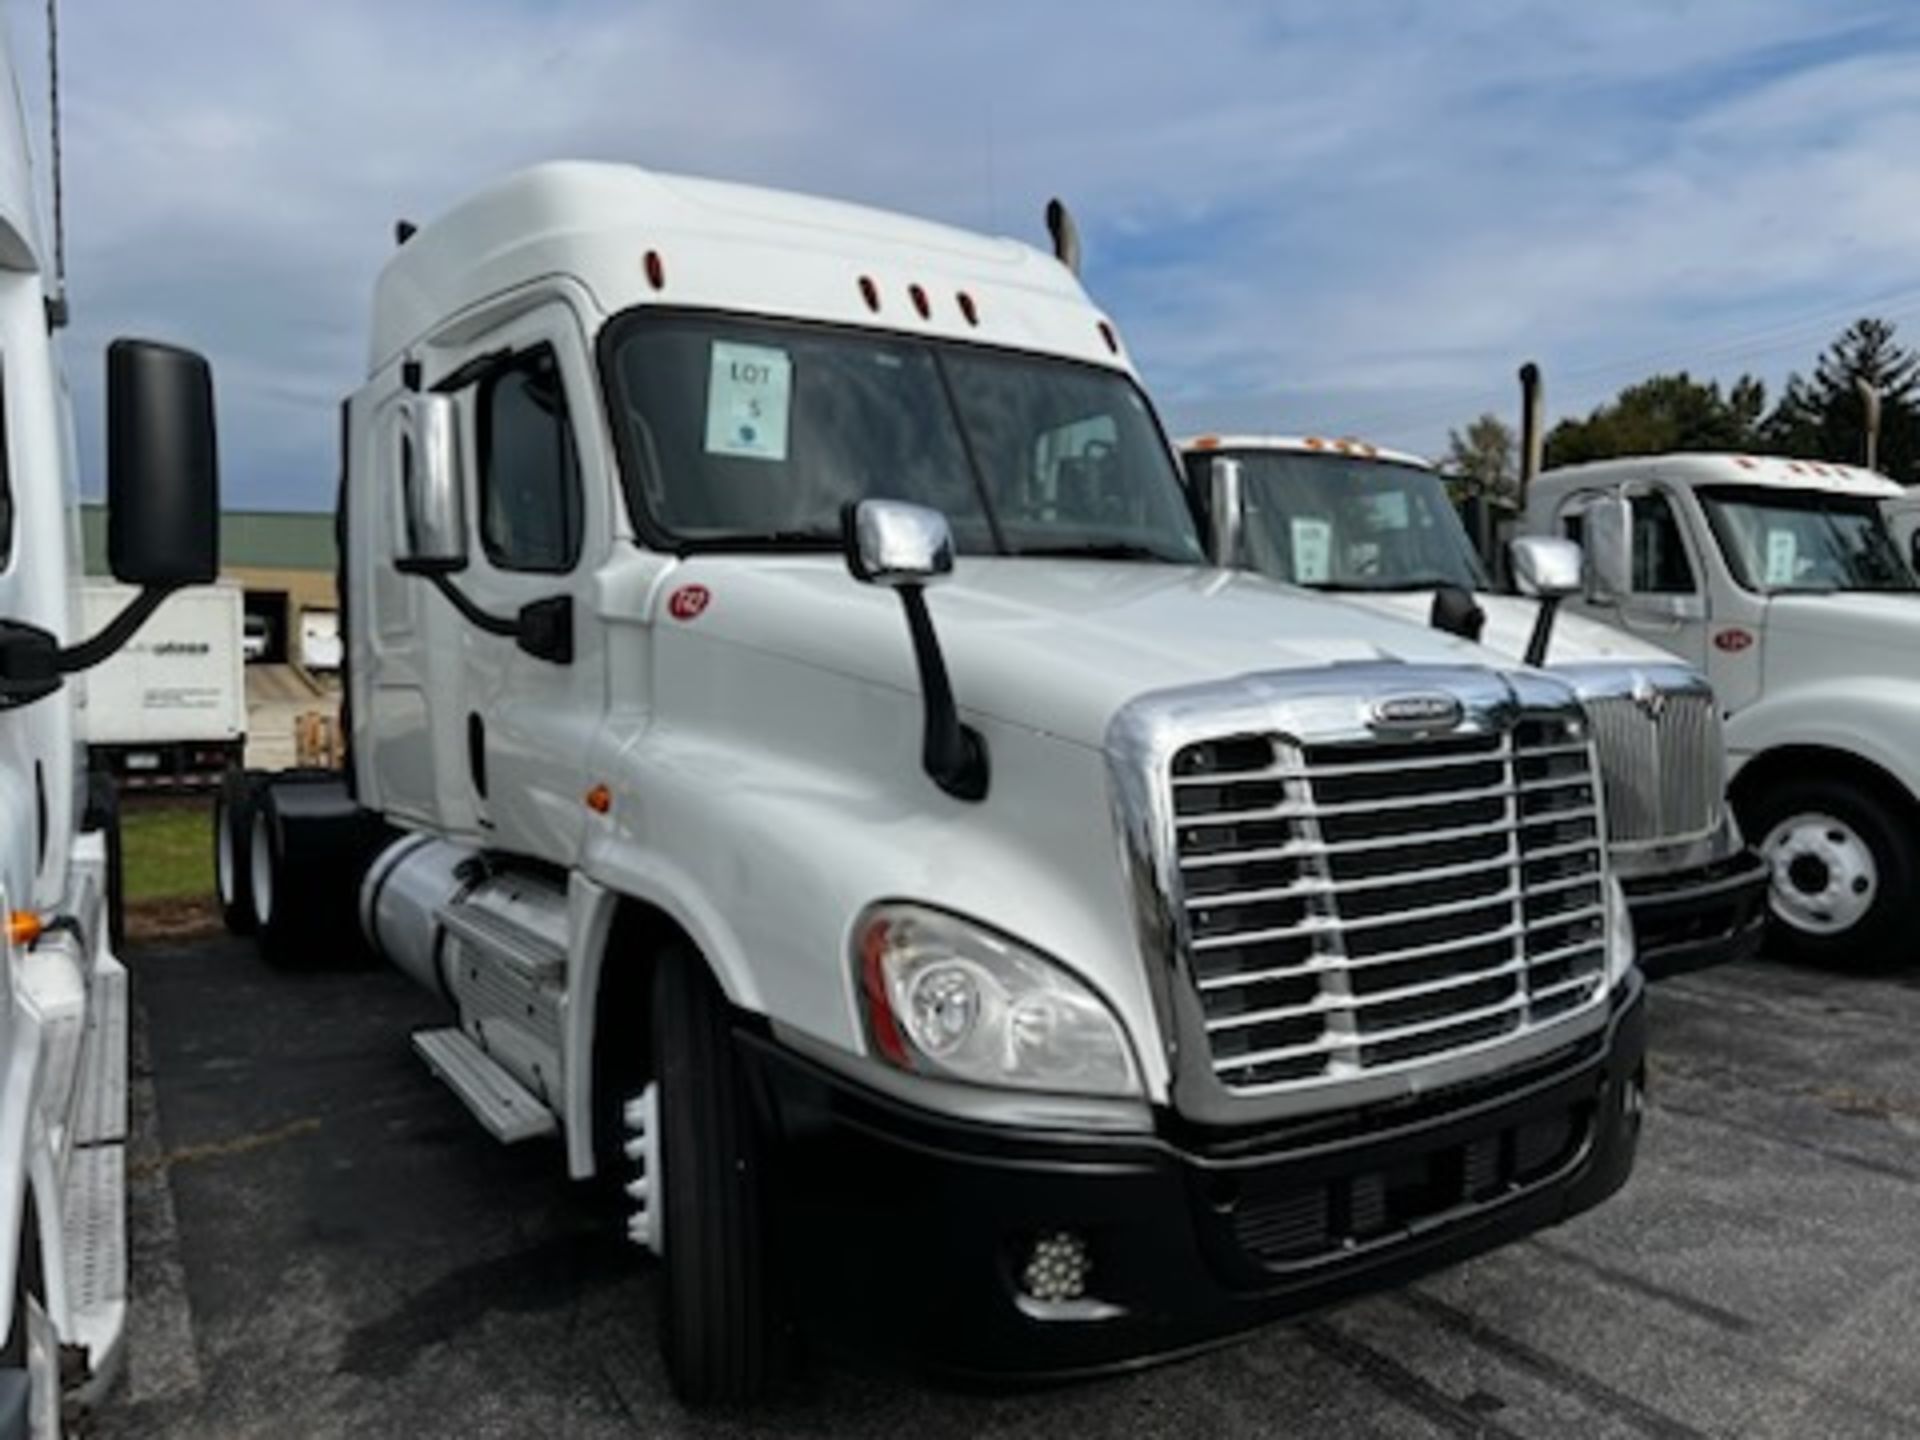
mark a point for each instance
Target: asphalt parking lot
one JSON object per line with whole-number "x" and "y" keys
{"x": 325, "y": 1244}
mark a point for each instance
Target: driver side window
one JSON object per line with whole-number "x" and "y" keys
{"x": 1660, "y": 563}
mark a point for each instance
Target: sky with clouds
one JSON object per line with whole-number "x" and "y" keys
{"x": 1354, "y": 217}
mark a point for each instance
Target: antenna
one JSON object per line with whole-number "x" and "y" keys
{"x": 57, "y": 300}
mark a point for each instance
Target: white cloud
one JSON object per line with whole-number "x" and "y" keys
{"x": 1339, "y": 214}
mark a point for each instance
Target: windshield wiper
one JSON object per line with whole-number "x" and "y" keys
{"x": 1385, "y": 587}
{"x": 1102, "y": 550}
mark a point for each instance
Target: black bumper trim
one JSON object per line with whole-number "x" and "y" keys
{"x": 1699, "y": 918}
{"x": 905, "y": 1231}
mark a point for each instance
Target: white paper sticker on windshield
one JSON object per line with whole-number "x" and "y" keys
{"x": 1783, "y": 557}
{"x": 1312, "y": 551}
{"x": 749, "y": 388}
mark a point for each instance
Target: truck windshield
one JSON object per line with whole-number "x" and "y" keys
{"x": 1336, "y": 522}
{"x": 1791, "y": 540}
{"x": 756, "y": 433}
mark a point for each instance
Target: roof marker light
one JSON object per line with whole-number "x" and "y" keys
{"x": 1207, "y": 442}
{"x": 656, "y": 270}
{"x": 1314, "y": 442}
{"x": 919, "y": 298}
{"x": 1745, "y": 462}
{"x": 870, "y": 293}
{"x": 967, "y": 308}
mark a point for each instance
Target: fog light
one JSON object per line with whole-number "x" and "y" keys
{"x": 1057, "y": 1268}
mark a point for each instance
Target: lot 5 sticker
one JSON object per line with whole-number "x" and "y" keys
{"x": 749, "y": 393}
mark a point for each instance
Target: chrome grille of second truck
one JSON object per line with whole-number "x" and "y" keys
{"x": 1353, "y": 908}
{"x": 1660, "y": 753}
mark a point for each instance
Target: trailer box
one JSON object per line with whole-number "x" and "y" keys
{"x": 170, "y": 710}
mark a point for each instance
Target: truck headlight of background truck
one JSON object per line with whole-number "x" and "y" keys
{"x": 946, "y": 997}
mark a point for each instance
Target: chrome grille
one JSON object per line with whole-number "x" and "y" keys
{"x": 1662, "y": 761}
{"x": 1356, "y": 908}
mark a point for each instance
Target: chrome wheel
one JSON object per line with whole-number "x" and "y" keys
{"x": 1825, "y": 878}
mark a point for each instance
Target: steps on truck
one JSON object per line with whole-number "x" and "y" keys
{"x": 507, "y": 1108}
{"x": 94, "y": 1206}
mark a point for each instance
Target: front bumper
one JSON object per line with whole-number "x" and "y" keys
{"x": 907, "y": 1231}
{"x": 1707, "y": 915}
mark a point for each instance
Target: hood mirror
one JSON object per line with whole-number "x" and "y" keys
{"x": 905, "y": 548}
{"x": 895, "y": 544}
{"x": 1550, "y": 570}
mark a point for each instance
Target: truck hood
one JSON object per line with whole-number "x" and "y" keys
{"x": 1510, "y": 625}
{"x": 1852, "y": 629}
{"x": 1053, "y": 645}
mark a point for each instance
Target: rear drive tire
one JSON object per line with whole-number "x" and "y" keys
{"x": 233, "y": 806}
{"x": 719, "y": 1331}
{"x": 308, "y": 848}
{"x": 1845, "y": 868}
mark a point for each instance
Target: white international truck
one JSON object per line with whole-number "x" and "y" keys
{"x": 169, "y": 711}
{"x": 1779, "y": 579}
{"x": 1903, "y": 518}
{"x": 63, "y": 992}
{"x": 1377, "y": 528}
{"x": 834, "y": 793}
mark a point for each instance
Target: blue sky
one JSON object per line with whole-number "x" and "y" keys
{"x": 1354, "y": 217}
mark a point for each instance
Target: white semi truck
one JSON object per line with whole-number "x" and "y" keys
{"x": 1377, "y": 528}
{"x": 1779, "y": 579}
{"x": 1903, "y": 518}
{"x": 63, "y": 992}
{"x": 169, "y": 711}
{"x": 795, "y": 728}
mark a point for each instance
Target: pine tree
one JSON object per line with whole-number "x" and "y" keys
{"x": 1823, "y": 417}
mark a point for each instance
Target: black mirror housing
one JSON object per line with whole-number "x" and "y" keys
{"x": 163, "y": 485}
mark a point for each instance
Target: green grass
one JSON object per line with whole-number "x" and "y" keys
{"x": 169, "y": 849}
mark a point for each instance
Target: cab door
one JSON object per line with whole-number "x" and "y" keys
{"x": 539, "y": 501}
{"x": 1665, "y": 603}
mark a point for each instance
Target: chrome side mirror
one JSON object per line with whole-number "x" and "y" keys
{"x": 904, "y": 548}
{"x": 893, "y": 543}
{"x": 1609, "y": 536}
{"x": 432, "y": 495}
{"x": 1225, "y": 512}
{"x": 1547, "y": 567}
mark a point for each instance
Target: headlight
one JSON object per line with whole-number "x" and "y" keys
{"x": 948, "y": 998}
{"x": 1621, "y": 947}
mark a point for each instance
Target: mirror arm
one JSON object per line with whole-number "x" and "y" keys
{"x": 117, "y": 632}
{"x": 470, "y": 612}
{"x": 1542, "y": 635}
{"x": 954, "y": 755}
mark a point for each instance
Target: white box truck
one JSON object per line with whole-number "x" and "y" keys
{"x": 1780, "y": 580}
{"x": 1377, "y": 528}
{"x": 834, "y": 792}
{"x": 63, "y": 991}
{"x": 169, "y": 711}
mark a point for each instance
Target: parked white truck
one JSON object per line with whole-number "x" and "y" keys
{"x": 63, "y": 993}
{"x": 1377, "y": 528}
{"x": 1780, "y": 580}
{"x": 1903, "y": 518}
{"x": 169, "y": 711}
{"x": 837, "y": 794}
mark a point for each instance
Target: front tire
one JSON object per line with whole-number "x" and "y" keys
{"x": 1845, "y": 868}
{"x": 719, "y": 1331}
